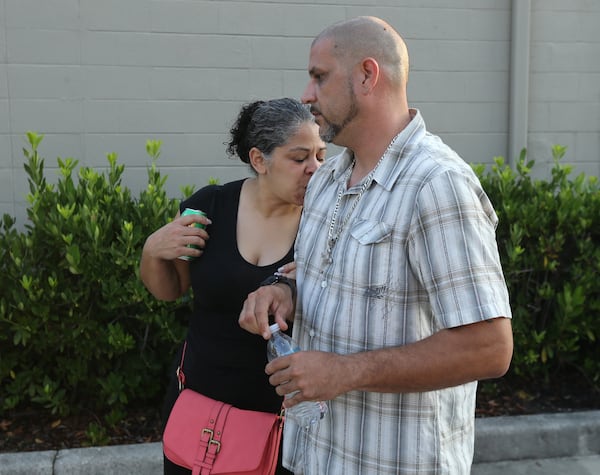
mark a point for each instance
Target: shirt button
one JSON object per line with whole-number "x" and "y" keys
{"x": 311, "y": 333}
{"x": 324, "y": 284}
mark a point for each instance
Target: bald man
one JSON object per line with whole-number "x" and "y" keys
{"x": 401, "y": 303}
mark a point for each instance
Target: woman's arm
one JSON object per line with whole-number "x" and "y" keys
{"x": 163, "y": 274}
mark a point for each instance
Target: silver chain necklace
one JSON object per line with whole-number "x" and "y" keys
{"x": 332, "y": 233}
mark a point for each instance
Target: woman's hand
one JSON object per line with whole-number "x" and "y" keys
{"x": 170, "y": 241}
{"x": 165, "y": 276}
{"x": 288, "y": 270}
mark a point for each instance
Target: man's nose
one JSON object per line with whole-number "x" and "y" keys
{"x": 308, "y": 96}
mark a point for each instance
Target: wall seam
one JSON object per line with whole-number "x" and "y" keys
{"x": 518, "y": 125}
{"x": 9, "y": 107}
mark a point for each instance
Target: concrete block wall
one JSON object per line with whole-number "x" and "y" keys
{"x": 564, "y": 86}
{"x": 105, "y": 76}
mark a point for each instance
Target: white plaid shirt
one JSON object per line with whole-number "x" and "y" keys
{"x": 418, "y": 255}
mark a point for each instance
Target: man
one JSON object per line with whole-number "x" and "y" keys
{"x": 402, "y": 304}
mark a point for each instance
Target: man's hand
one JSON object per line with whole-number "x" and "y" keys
{"x": 276, "y": 300}
{"x": 316, "y": 375}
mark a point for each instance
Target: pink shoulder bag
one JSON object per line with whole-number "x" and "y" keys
{"x": 211, "y": 437}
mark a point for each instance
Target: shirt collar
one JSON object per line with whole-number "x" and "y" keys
{"x": 403, "y": 144}
{"x": 388, "y": 169}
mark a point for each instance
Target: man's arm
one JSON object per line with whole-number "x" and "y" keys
{"x": 448, "y": 358}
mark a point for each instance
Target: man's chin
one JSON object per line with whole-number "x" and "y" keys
{"x": 327, "y": 134}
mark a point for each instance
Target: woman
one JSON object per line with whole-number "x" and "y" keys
{"x": 252, "y": 225}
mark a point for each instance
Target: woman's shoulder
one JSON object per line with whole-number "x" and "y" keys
{"x": 205, "y": 197}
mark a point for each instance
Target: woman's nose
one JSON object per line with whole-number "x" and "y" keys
{"x": 312, "y": 166}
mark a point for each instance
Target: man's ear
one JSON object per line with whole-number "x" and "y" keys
{"x": 257, "y": 160}
{"x": 368, "y": 74}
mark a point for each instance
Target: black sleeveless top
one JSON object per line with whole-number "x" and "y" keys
{"x": 222, "y": 360}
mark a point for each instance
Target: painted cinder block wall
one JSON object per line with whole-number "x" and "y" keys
{"x": 104, "y": 76}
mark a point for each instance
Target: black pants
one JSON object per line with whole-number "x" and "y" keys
{"x": 172, "y": 469}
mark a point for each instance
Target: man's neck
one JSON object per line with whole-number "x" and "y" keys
{"x": 370, "y": 138}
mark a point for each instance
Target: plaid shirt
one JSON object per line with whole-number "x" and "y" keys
{"x": 417, "y": 255}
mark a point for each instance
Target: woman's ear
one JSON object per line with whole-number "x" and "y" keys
{"x": 257, "y": 160}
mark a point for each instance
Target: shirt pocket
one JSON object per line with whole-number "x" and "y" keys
{"x": 371, "y": 281}
{"x": 371, "y": 232}
{"x": 370, "y": 256}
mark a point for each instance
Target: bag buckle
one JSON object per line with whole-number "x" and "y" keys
{"x": 180, "y": 379}
{"x": 211, "y": 440}
{"x": 179, "y": 372}
{"x": 217, "y": 443}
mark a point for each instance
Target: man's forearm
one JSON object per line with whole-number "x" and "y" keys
{"x": 450, "y": 357}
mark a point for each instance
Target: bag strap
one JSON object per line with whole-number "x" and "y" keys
{"x": 215, "y": 446}
{"x": 210, "y": 211}
{"x": 209, "y": 444}
{"x": 277, "y": 443}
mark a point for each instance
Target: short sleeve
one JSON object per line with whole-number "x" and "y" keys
{"x": 454, "y": 251}
{"x": 202, "y": 200}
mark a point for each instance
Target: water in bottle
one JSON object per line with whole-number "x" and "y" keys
{"x": 305, "y": 413}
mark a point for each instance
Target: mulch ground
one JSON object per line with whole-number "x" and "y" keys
{"x": 34, "y": 430}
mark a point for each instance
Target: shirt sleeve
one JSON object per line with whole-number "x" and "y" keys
{"x": 454, "y": 251}
{"x": 202, "y": 200}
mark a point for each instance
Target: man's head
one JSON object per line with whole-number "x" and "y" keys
{"x": 367, "y": 36}
{"x": 354, "y": 65}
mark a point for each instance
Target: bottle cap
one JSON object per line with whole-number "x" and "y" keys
{"x": 274, "y": 328}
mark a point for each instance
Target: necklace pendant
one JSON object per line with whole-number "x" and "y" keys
{"x": 326, "y": 256}
{"x": 327, "y": 259}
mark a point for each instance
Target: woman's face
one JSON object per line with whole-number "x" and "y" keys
{"x": 291, "y": 165}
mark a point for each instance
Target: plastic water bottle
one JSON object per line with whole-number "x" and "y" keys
{"x": 305, "y": 413}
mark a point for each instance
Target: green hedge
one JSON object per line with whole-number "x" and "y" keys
{"x": 78, "y": 331}
{"x": 549, "y": 242}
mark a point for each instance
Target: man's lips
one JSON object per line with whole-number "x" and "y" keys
{"x": 317, "y": 115}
